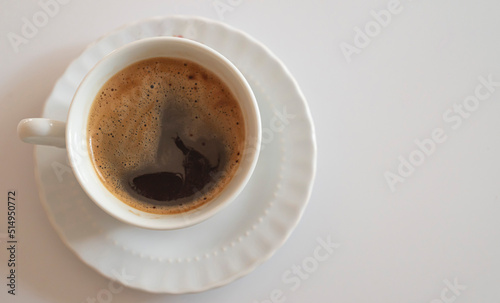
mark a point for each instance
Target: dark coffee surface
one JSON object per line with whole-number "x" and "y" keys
{"x": 165, "y": 135}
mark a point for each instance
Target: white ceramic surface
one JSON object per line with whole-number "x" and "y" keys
{"x": 226, "y": 246}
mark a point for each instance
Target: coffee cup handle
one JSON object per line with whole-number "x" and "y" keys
{"x": 42, "y": 131}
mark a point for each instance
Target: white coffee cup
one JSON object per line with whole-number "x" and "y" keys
{"x": 73, "y": 134}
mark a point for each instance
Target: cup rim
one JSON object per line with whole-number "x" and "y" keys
{"x": 140, "y": 218}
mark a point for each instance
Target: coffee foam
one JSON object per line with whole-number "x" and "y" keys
{"x": 134, "y": 108}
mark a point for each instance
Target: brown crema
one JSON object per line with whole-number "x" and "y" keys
{"x": 165, "y": 135}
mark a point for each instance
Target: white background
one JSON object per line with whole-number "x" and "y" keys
{"x": 441, "y": 224}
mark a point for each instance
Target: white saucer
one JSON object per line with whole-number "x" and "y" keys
{"x": 228, "y": 245}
